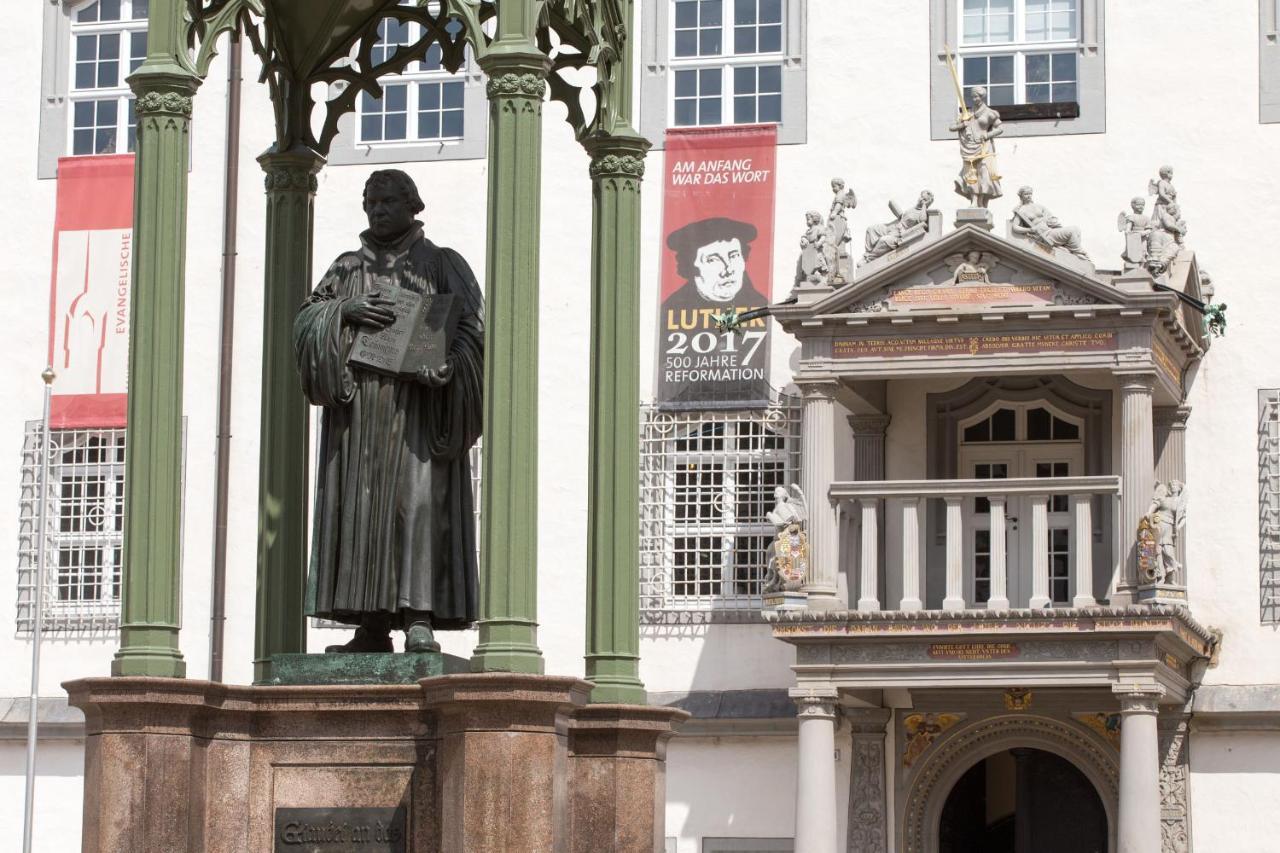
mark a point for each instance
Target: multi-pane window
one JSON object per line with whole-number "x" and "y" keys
{"x": 84, "y": 529}
{"x": 1269, "y": 505}
{"x": 707, "y": 484}
{"x": 726, "y": 62}
{"x": 1022, "y": 51}
{"x": 108, "y": 42}
{"x": 422, "y": 103}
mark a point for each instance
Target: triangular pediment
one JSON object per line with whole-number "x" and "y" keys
{"x": 966, "y": 271}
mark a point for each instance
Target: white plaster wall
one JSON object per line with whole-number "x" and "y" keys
{"x": 868, "y": 121}
{"x": 734, "y": 787}
{"x": 59, "y": 788}
{"x": 1234, "y": 788}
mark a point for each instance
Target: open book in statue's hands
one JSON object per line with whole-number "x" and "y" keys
{"x": 418, "y": 338}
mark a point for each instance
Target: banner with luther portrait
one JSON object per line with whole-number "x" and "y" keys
{"x": 717, "y": 254}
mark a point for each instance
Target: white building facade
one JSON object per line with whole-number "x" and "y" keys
{"x": 941, "y": 690}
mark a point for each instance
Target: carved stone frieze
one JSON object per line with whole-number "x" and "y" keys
{"x": 1175, "y": 787}
{"x": 617, "y": 165}
{"x": 163, "y": 103}
{"x": 515, "y": 84}
{"x": 867, "y": 832}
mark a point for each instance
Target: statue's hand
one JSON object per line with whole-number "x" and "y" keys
{"x": 436, "y": 377}
{"x": 368, "y": 309}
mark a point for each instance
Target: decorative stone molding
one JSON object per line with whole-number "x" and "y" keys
{"x": 617, "y": 165}
{"x": 1138, "y": 698}
{"x": 1173, "y": 417}
{"x": 513, "y": 84}
{"x": 868, "y": 425}
{"x": 289, "y": 178}
{"x": 1175, "y": 787}
{"x": 163, "y": 103}
{"x": 938, "y": 773}
{"x": 868, "y": 831}
{"x": 815, "y": 706}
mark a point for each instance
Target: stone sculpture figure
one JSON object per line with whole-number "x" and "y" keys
{"x": 971, "y": 270}
{"x": 979, "y": 178}
{"x": 1136, "y": 226}
{"x": 788, "y": 553}
{"x": 846, "y": 198}
{"x": 394, "y": 542}
{"x": 836, "y": 245}
{"x": 1162, "y": 188}
{"x": 811, "y": 266}
{"x": 1164, "y": 242}
{"x": 1037, "y": 223}
{"x": 1165, "y": 518}
{"x": 908, "y": 225}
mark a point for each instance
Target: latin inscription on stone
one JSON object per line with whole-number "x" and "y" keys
{"x": 973, "y": 344}
{"x": 973, "y": 651}
{"x": 974, "y": 294}
{"x": 351, "y": 830}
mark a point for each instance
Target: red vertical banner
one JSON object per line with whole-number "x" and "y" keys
{"x": 89, "y": 290}
{"x": 717, "y": 232}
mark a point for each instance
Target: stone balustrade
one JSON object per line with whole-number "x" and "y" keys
{"x": 871, "y": 503}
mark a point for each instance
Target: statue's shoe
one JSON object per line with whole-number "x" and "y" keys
{"x": 364, "y": 641}
{"x": 419, "y": 638}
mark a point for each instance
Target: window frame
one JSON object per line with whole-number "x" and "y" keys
{"x": 660, "y": 500}
{"x": 945, "y": 22}
{"x": 123, "y": 96}
{"x": 100, "y": 615}
{"x": 657, "y": 67}
{"x": 1269, "y": 61}
{"x": 347, "y": 148}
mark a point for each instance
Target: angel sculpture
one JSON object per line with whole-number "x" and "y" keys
{"x": 972, "y": 267}
{"x": 1164, "y": 519}
{"x": 788, "y": 553}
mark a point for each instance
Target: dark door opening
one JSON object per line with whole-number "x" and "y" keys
{"x": 1023, "y": 801}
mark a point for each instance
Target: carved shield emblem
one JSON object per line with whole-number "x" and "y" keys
{"x": 792, "y": 550}
{"x": 1148, "y": 552}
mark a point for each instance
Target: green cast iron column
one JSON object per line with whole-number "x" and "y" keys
{"x": 613, "y": 529}
{"x": 509, "y": 539}
{"x": 282, "y": 466}
{"x": 151, "y": 584}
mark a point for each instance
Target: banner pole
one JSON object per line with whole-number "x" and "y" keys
{"x": 37, "y": 605}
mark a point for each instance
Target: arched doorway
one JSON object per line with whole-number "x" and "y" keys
{"x": 1022, "y": 800}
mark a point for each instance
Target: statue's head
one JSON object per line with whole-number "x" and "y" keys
{"x": 972, "y": 257}
{"x": 1166, "y": 172}
{"x": 391, "y": 202}
{"x": 1138, "y": 203}
{"x": 978, "y": 94}
{"x": 837, "y": 185}
{"x": 1024, "y": 193}
{"x": 813, "y": 217}
{"x": 926, "y": 199}
{"x": 1174, "y": 210}
{"x": 780, "y": 494}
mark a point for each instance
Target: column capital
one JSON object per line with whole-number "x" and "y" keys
{"x": 616, "y": 155}
{"x": 816, "y": 389}
{"x": 1138, "y": 698}
{"x": 870, "y": 426}
{"x": 1173, "y": 417}
{"x": 815, "y": 702}
{"x": 293, "y": 170}
{"x": 866, "y": 721}
{"x": 1136, "y": 381}
{"x": 516, "y": 74}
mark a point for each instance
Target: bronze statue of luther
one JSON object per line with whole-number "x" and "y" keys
{"x": 394, "y": 544}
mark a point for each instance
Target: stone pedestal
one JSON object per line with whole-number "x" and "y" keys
{"x": 467, "y": 762}
{"x": 979, "y": 216}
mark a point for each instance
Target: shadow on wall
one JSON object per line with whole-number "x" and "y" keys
{"x": 1235, "y": 753}
{"x": 716, "y": 657}
{"x": 53, "y": 758}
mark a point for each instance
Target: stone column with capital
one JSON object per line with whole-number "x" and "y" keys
{"x": 816, "y": 825}
{"x": 817, "y": 470}
{"x": 280, "y": 626}
{"x": 868, "y": 828}
{"x": 613, "y": 530}
{"x": 1139, "y": 824}
{"x": 517, "y": 70}
{"x": 1137, "y": 472}
{"x": 150, "y": 613}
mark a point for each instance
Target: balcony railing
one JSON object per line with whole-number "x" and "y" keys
{"x": 984, "y": 505}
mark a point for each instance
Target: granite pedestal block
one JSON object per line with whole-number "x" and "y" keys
{"x": 461, "y": 763}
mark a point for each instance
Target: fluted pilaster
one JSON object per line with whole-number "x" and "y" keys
{"x": 817, "y": 469}
{"x": 1137, "y": 471}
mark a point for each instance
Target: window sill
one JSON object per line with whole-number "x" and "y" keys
{"x": 1039, "y": 112}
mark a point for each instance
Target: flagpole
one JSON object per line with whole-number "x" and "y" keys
{"x": 37, "y": 605}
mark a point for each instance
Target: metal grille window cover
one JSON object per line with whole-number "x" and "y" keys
{"x": 1269, "y": 505}
{"x": 85, "y": 530}
{"x": 706, "y": 483}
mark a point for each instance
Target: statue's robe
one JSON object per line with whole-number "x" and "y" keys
{"x": 394, "y": 524}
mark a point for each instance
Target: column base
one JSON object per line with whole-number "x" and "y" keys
{"x": 1039, "y": 602}
{"x": 911, "y": 604}
{"x": 615, "y": 679}
{"x": 997, "y": 604}
{"x": 508, "y": 645}
{"x": 822, "y": 600}
{"x": 868, "y": 605}
{"x": 466, "y": 763}
{"x": 1082, "y": 601}
{"x": 953, "y": 604}
{"x": 148, "y": 652}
